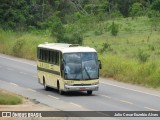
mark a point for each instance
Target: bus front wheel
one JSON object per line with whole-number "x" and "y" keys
{"x": 59, "y": 90}
{"x": 89, "y": 92}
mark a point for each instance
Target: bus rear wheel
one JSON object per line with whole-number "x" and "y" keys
{"x": 89, "y": 92}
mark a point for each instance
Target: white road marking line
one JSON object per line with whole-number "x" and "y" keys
{"x": 23, "y": 73}
{"x": 52, "y": 97}
{"x": 75, "y": 104}
{"x": 124, "y": 101}
{"x": 151, "y": 109}
{"x": 10, "y": 69}
{"x": 13, "y": 84}
{"x": 106, "y": 96}
{"x": 31, "y": 90}
{"x": 17, "y": 61}
{"x": 130, "y": 89}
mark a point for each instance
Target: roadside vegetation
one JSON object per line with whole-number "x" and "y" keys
{"x": 126, "y": 35}
{"x": 21, "y": 44}
{"x": 9, "y": 98}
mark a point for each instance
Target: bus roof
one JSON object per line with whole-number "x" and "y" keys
{"x": 66, "y": 48}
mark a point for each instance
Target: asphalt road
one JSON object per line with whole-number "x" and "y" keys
{"x": 20, "y": 76}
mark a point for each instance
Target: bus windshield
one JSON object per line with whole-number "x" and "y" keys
{"x": 81, "y": 66}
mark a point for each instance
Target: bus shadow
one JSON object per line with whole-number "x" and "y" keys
{"x": 71, "y": 93}
{"x": 76, "y": 93}
{"x": 67, "y": 94}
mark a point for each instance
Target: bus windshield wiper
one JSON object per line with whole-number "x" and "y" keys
{"x": 87, "y": 71}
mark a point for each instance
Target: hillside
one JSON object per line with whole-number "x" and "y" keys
{"x": 125, "y": 33}
{"x": 131, "y": 56}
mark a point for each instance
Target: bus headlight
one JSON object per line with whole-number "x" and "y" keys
{"x": 95, "y": 83}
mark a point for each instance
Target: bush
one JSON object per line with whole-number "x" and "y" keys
{"x": 136, "y": 10}
{"x": 75, "y": 38}
{"x": 114, "y": 29}
{"x": 151, "y": 47}
{"x": 100, "y": 29}
{"x": 131, "y": 71}
{"x": 106, "y": 47}
{"x": 155, "y": 79}
{"x": 17, "y": 48}
{"x": 98, "y": 32}
{"x": 118, "y": 68}
{"x": 142, "y": 56}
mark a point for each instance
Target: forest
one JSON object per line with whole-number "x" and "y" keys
{"x": 54, "y": 15}
{"x": 125, "y": 33}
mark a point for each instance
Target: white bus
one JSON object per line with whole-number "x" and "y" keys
{"x": 68, "y": 67}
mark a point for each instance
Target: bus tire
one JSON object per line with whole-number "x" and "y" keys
{"x": 59, "y": 90}
{"x": 44, "y": 84}
{"x": 89, "y": 92}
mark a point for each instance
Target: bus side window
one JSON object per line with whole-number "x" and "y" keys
{"x": 57, "y": 58}
{"x": 45, "y": 53}
{"x": 40, "y": 54}
{"x": 54, "y": 57}
{"x": 49, "y": 55}
{"x": 60, "y": 57}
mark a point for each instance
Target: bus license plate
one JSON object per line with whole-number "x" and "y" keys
{"x": 82, "y": 89}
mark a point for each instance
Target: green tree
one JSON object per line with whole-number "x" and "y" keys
{"x": 136, "y": 10}
{"x": 73, "y": 38}
{"x": 155, "y": 5}
{"x": 124, "y": 6}
{"x": 57, "y": 28}
{"x": 20, "y": 14}
{"x": 12, "y": 13}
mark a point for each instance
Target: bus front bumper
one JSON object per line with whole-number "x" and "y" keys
{"x": 81, "y": 88}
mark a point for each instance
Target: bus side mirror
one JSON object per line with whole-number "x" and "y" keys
{"x": 100, "y": 64}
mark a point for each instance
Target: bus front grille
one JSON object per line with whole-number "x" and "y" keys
{"x": 81, "y": 84}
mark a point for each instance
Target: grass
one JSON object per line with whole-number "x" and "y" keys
{"x": 9, "y": 99}
{"x": 131, "y": 70}
{"x": 21, "y": 44}
{"x": 127, "y": 44}
{"x": 132, "y": 56}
